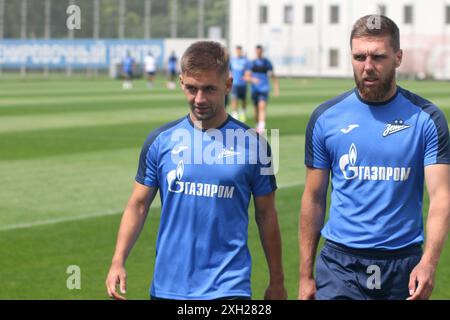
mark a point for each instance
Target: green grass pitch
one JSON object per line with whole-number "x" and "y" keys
{"x": 69, "y": 150}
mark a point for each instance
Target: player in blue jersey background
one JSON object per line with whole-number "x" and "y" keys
{"x": 201, "y": 249}
{"x": 127, "y": 70}
{"x": 172, "y": 63}
{"x": 259, "y": 73}
{"x": 380, "y": 143}
{"x": 238, "y": 67}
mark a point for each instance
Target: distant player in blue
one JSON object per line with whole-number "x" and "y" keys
{"x": 172, "y": 63}
{"x": 127, "y": 70}
{"x": 258, "y": 73}
{"x": 238, "y": 67}
{"x": 380, "y": 143}
{"x": 201, "y": 250}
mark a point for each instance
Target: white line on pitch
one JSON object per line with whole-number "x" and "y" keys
{"x": 99, "y": 214}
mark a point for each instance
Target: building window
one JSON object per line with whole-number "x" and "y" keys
{"x": 309, "y": 15}
{"x": 334, "y": 14}
{"x": 382, "y": 9}
{"x": 408, "y": 14}
{"x": 334, "y": 58}
{"x": 288, "y": 14}
{"x": 447, "y": 15}
{"x": 263, "y": 14}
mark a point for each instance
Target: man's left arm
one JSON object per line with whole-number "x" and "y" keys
{"x": 269, "y": 233}
{"x": 421, "y": 280}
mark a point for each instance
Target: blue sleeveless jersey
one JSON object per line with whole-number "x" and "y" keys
{"x": 376, "y": 154}
{"x": 260, "y": 69}
{"x": 201, "y": 249}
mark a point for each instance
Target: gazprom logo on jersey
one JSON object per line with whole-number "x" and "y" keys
{"x": 176, "y": 185}
{"x": 229, "y": 147}
{"x": 174, "y": 178}
{"x": 350, "y": 169}
{"x": 347, "y": 163}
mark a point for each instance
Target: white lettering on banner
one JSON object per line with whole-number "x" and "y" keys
{"x": 38, "y": 54}
{"x": 101, "y": 53}
{"x": 139, "y": 51}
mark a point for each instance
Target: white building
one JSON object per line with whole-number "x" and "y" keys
{"x": 311, "y": 37}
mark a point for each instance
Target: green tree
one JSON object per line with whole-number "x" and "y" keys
{"x": 216, "y": 14}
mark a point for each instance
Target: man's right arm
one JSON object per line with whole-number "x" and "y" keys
{"x": 312, "y": 216}
{"x": 133, "y": 220}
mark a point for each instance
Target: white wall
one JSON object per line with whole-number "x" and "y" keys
{"x": 303, "y": 49}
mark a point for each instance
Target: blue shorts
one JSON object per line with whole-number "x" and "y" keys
{"x": 360, "y": 274}
{"x": 239, "y": 92}
{"x": 259, "y": 96}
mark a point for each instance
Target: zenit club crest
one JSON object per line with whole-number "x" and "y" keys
{"x": 395, "y": 127}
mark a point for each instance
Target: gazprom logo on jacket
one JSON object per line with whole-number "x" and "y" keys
{"x": 350, "y": 169}
{"x": 176, "y": 185}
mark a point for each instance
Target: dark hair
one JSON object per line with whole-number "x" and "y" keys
{"x": 259, "y": 46}
{"x": 376, "y": 26}
{"x": 205, "y": 56}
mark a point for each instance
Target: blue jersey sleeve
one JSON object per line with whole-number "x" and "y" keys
{"x": 316, "y": 155}
{"x": 437, "y": 144}
{"x": 264, "y": 180}
{"x": 148, "y": 163}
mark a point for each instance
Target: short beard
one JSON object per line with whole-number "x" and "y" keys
{"x": 380, "y": 92}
